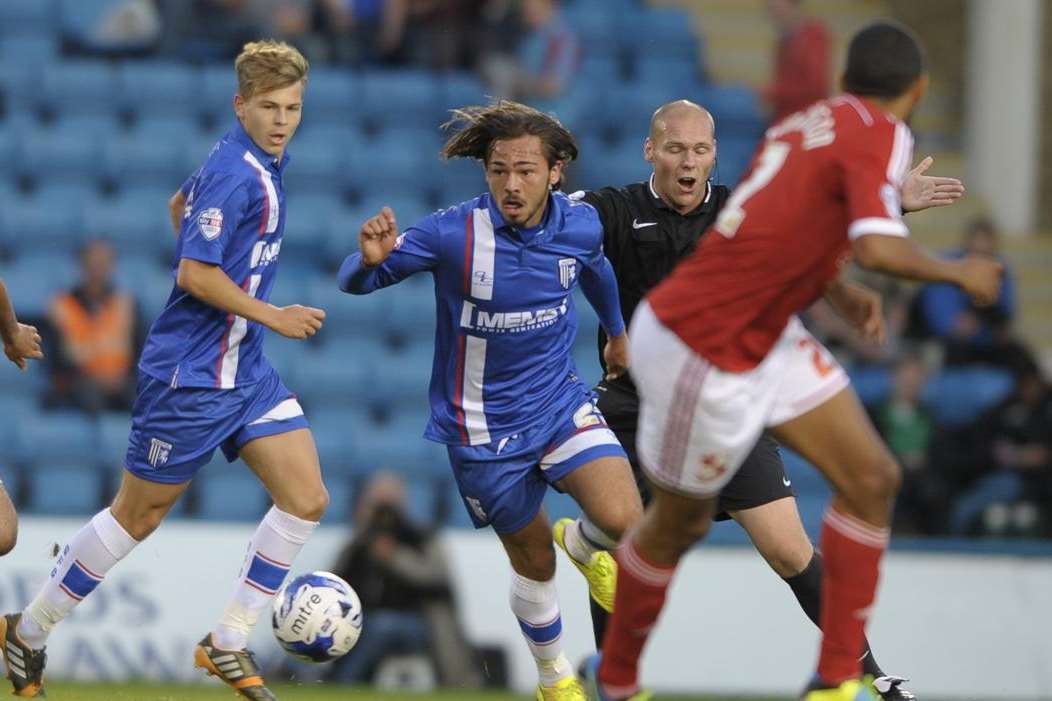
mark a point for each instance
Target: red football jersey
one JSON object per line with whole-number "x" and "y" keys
{"x": 821, "y": 178}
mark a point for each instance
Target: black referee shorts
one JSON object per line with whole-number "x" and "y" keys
{"x": 760, "y": 480}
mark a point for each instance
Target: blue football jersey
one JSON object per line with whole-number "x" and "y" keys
{"x": 506, "y": 318}
{"x": 234, "y": 218}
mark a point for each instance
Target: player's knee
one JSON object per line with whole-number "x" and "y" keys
{"x": 617, "y": 518}
{"x": 882, "y": 478}
{"x": 536, "y": 563}
{"x": 310, "y": 506}
{"x": 143, "y": 523}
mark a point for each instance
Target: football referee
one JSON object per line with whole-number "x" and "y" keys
{"x": 649, "y": 227}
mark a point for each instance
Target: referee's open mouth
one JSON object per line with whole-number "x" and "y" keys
{"x": 687, "y": 184}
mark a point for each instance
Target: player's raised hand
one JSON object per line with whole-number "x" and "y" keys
{"x": 615, "y": 354}
{"x": 981, "y": 278}
{"x": 376, "y": 238}
{"x": 297, "y": 321}
{"x": 24, "y": 345}
{"x": 920, "y": 191}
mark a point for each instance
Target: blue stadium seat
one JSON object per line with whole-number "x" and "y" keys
{"x": 135, "y": 226}
{"x": 333, "y": 98}
{"x": 416, "y": 92}
{"x": 229, "y": 492}
{"x": 18, "y": 399}
{"x": 336, "y": 374}
{"x": 398, "y": 445}
{"x": 402, "y": 378}
{"x": 319, "y": 157}
{"x": 84, "y": 87}
{"x": 65, "y": 489}
{"x": 18, "y": 83}
{"x": 459, "y": 90}
{"x": 341, "y": 498}
{"x": 412, "y": 318}
{"x": 732, "y": 158}
{"x": 665, "y": 31}
{"x": 100, "y": 127}
{"x": 33, "y": 50}
{"x": 310, "y": 213}
{"x": 679, "y": 71}
{"x": 961, "y": 395}
{"x": 348, "y": 316}
{"x": 337, "y": 431}
{"x": 152, "y": 292}
{"x": 595, "y": 26}
{"x": 113, "y": 430}
{"x": 198, "y": 148}
{"x": 56, "y": 156}
{"x": 737, "y": 110}
{"x": 215, "y": 97}
{"x": 20, "y": 393}
{"x": 156, "y": 87}
{"x": 599, "y": 69}
{"x": 627, "y": 107}
{"x": 142, "y": 159}
{"x": 620, "y": 164}
{"x": 37, "y": 278}
{"x": 23, "y": 16}
{"x": 406, "y": 153}
{"x": 456, "y": 180}
{"x": 871, "y": 383}
{"x": 73, "y": 195}
{"x": 171, "y": 126}
{"x": 13, "y": 478}
{"x": 59, "y": 437}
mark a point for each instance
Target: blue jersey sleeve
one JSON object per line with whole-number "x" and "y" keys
{"x": 218, "y": 204}
{"x": 416, "y": 249}
{"x": 600, "y": 288}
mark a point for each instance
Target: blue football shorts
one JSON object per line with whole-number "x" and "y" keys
{"x": 503, "y": 482}
{"x": 175, "y": 431}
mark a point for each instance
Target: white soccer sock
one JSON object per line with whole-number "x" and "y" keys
{"x": 99, "y": 545}
{"x": 536, "y": 605}
{"x": 584, "y": 539}
{"x": 273, "y": 547}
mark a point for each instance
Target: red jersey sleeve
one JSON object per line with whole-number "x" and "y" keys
{"x": 874, "y": 167}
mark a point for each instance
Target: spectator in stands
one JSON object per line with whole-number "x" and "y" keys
{"x": 970, "y": 334}
{"x": 547, "y": 56}
{"x": 116, "y": 27}
{"x": 96, "y": 326}
{"x": 1018, "y": 434}
{"x": 399, "y": 570}
{"x": 803, "y": 64}
{"x": 907, "y": 426}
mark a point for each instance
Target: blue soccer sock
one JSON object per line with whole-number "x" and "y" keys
{"x": 91, "y": 553}
{"x": 273, "y": 547}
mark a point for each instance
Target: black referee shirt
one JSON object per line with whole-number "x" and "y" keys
{"x": 645, "y": 238}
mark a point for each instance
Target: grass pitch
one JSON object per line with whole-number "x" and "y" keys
{"x": 141, "y": 691}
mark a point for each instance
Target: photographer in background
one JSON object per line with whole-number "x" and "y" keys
{"x": 400, "y": 573}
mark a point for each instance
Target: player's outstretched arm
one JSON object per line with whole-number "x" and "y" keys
{"x": 979, "y": 276}
{"x": 21, "y": 341}
{"x": 384, "y": 257}
{"x": 212, "y": 286}
{"x": 920, "y": 191}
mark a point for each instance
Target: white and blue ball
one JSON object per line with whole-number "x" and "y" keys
{"x": 317, "y": 617}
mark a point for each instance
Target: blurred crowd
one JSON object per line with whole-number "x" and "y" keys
{"x": 962, "y": 402}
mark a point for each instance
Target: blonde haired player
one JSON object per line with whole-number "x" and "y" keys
{"x": 204, "y": 383}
